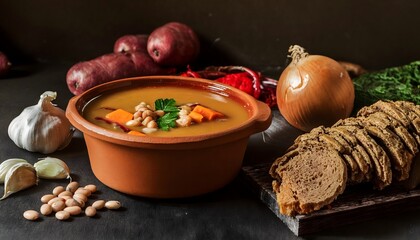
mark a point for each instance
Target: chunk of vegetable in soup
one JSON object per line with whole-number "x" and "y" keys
{"x": 233, "y": 112}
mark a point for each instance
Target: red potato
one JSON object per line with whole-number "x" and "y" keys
{"x": 85, "y": 75}
{"x": 144, "y": 65}
{"x": 131, "y": 43}
{"x": 173, "y": 44}
{"x": 4, "y": 64}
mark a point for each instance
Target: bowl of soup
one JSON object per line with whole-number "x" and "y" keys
{"x": 194, "y": 142}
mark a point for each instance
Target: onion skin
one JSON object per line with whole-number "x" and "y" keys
{"x": 314, "y": 91}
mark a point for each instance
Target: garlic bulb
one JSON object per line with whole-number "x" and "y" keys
{"x": 42, "y": 127}
{"x": 52, "y": 168}
{"x": 6, "y": 165}
{"x": 19, "y": 176}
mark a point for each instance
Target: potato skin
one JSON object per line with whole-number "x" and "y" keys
{"x": 131, "y": 43}
{"x": 173, "y": 44}
{"x": 85, "y": 75}
{"x": 4, "y": 64}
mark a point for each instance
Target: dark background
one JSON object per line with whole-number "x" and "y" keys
{"x": 57, "y": 34}
{"x": 375, "y": 34}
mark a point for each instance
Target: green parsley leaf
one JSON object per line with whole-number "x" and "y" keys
{"x": 167, "y": 121}
{"x": 167, "y": 105}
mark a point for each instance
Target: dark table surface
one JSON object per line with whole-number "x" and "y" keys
{"x": 233, "y": 212}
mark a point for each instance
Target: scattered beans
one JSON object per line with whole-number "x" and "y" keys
{"x": 80, "y": 197}
{"x": 74, "y": 210}
{"x": 46, "y": 198}
{"x": 83, "y": 191}
{"x": 70, "y": 201}
{"x": 90, "y": 211}
{"x": 57, "y": 190}
{"x": 62, "y": 215}
{"x": 113, "y": 205}
{"x": 46, "y": 209}
{"x": 65, "y": 193}
{"x": 91, "y": 188}
{"x": 81, "y": 203}
{"x": 65, "y": 198}
{"x": 98, "y": 204}
{"x": 72, "y": 187}
{"x": 55, "y": 199}
{"x": 58, "y": 206}
{"x": 31, "y": 215}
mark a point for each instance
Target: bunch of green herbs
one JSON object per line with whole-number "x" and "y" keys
{"x": 395, "y": 83}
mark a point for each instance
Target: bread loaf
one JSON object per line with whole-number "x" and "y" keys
{"x": 379, "y": 146}
{"x": 310, "y": 180}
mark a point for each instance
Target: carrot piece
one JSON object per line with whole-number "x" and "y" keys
{"x": 207, "y": 113}
{"x": 137, "y": 133}
{"x": 196, "y": 117}
{"x": 120, "y": 116}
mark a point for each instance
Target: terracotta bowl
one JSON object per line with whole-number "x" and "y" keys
{"x": 163, "y": 167}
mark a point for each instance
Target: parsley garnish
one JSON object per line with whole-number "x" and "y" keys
{"x": 167, "y": 121}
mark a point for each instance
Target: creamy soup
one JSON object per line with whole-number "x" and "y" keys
{"x": 233, "y": 112}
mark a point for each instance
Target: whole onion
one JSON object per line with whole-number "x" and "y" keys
{"x": 314, "y": 90}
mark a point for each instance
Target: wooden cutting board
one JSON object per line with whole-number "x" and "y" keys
{"x": 357, "y": 203}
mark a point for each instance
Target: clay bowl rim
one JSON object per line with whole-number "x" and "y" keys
{"x": 259, "y": 119}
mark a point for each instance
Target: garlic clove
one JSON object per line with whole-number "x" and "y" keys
{"x": 42, "y": 127}
{"x": 52, "y": 168}
{"x": 7, "y": 164}
{"x": 20, "y": 176}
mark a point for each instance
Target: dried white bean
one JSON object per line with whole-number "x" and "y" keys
{"x": 73, "y": 210}
{"x": 112, "y": 205}
{"x": 55, "y": 199}
{"x": 66, "y": 197}
{"x": 80, "y": 197}
{"x": 31, "y": 215}
{"x": 72, "y": 202}
{"x": 57, "y": 190}
{"x": 90, "y": 211}
{"x": 62, "y": 215}
{"x": 72, "y": 187}
{"x": 58, "y": 206}
{"x": 92, "y": 188}
{"x": 65, "y": 193}
{"x": 98, "y": 204}
{"x": 46, "y": 209}
{"x": 83, "y": 191}
{"x": 46, "y": 198}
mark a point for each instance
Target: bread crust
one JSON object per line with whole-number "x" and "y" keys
{"x": 377, "y": 146}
